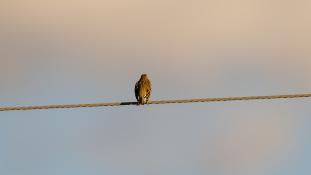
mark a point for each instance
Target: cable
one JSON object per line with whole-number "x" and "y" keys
{"x": 157, "y": 102}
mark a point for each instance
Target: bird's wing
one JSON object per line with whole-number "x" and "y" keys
{"x": 136, "y": 90}
{"x": 148, "y": 89}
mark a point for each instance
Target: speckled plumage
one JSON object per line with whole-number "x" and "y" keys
{"x": 143, "y": 90}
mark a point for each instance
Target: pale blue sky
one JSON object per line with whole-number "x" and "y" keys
{"x": 56, "y": 52}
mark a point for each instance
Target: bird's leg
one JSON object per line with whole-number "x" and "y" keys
{"x": 138, "y": 101}
{"x": 141, "y": 101}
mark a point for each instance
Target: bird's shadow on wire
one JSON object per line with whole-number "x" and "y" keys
{"x": 128, "y": 103}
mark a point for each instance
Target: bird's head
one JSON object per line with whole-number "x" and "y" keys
{"x": 144, "y": 76}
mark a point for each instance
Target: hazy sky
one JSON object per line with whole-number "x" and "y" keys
{"x": 61, "y": 51}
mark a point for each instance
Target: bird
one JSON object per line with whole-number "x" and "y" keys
{"x": 143, "y": 90}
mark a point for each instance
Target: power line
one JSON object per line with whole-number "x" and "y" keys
{"x": 157, "y": 102}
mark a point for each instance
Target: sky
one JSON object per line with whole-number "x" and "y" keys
{"x": 67, "y": 52}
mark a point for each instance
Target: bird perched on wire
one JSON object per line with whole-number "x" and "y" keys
{"x": 143, "y": 90}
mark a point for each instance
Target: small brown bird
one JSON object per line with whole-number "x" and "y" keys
{"x": 143, "y": 90}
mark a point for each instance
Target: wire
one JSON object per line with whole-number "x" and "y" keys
{"x": 157, "y": 102}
